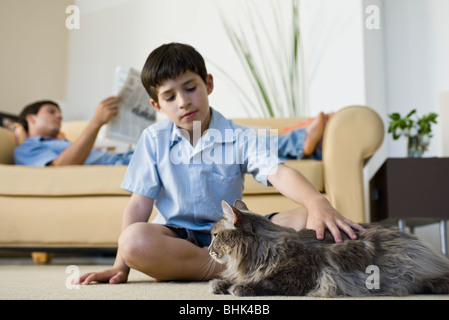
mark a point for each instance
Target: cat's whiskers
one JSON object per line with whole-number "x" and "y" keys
{"x": 208, "y": 267}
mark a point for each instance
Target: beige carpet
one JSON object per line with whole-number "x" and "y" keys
{"x": 20, "y": 281}
{"x": 49, "y": 282}
{"x": 52, "y": 282}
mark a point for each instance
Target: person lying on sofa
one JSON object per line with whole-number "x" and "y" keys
{"x": 188, "y": 194}
{"x": 44, "y": 147}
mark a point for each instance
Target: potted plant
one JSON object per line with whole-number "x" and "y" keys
{"x": 417, "y": 130}
{"x": 272, "y": 58}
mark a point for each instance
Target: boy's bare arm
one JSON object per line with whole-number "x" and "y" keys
{"x": 78, "y": 152}
{"x": 138, "y": 209}
{"x": 321, "y": 214}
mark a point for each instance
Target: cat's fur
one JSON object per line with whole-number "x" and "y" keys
{"x": 265, "y": 259}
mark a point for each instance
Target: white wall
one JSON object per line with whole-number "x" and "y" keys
{"x": 334, "y": 54}
{"x": 124, "y": 32}
{"x": 33, "y": 52}
{"x": 417, "y": 66}
{"x": 344, "y": 59}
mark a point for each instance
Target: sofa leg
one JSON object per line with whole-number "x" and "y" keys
{"x": 41, "y": 257}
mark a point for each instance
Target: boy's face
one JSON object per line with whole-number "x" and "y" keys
{"x": 184, "y": 99}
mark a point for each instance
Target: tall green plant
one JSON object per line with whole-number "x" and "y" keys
{"x": 272, "y": 59}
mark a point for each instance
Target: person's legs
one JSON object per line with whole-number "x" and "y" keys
{"x": 295, "y": 218}
{"x": 303, "y": 142}
{"x": 124, "y": 158}
{"x": 158, "y": 252}
{"x": 314, "y": 134}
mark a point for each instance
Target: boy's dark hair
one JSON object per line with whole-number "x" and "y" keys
{"x": 33, "y": 108}
{"x": 169, "y": 61}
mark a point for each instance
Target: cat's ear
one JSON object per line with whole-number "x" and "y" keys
{"x": 230, "y": 214}
{"x": 240, "y": 205}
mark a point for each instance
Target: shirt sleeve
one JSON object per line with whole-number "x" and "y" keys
{"x": 33, "y": 154}
{"x": 142, "y": 175}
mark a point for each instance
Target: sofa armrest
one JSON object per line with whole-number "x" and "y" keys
{"x": 351, "y": 137}
{"x": 7, "y": 146}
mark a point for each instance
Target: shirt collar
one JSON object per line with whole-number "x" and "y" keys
{"x": 217, "y": 122}
{"x": 40, "y": 138}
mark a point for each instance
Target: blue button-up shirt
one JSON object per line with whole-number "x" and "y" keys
{"x": 189, "y": 182}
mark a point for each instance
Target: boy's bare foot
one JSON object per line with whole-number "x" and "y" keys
{"x": 314, "y": 134}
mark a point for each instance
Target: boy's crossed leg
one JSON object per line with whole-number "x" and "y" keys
{"x": 158, "y": 252}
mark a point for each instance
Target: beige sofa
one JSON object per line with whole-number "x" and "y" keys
{"x": 81, "y": 206}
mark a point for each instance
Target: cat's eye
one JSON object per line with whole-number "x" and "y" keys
{"x": 215, "y": 234}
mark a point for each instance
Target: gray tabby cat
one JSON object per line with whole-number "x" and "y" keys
{"x": 263, "y": 258}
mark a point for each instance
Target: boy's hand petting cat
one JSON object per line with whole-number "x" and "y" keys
{"x": 322, "y": 215}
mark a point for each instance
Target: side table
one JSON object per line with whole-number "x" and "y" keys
{"x": 412, "y": 192}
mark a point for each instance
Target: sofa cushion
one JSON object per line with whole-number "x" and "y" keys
{"x": 62, "y": 181}
{"x": 106, "y": 180}
{"x": 278, "y": 124}
{"x": 311, "y": 169}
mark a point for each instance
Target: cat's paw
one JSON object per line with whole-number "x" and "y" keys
{"x": 219, "y": 286}
{"x": 241, "y": 291}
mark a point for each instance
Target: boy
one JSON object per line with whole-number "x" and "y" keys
{"x": 188, "y": 193}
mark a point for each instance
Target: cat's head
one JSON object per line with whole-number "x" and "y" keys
{"x": 232, "y": 234}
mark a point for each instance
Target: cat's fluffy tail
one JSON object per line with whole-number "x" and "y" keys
{"x": 431, "y": 270}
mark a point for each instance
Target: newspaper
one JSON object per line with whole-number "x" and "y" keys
{"x": 135, "y": 111}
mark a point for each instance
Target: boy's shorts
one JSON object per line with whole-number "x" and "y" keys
{"x": 271, "y": 215}
{"x": 198, "y": 238}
